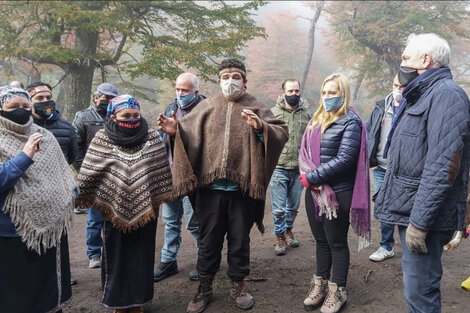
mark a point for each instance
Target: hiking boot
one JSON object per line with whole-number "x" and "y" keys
{"x": 95, "y": 262}
{"x": 316, "y": 293}
{"x": 241, "y": 295}
{"x": 194, "y": 275}
{"x": 335, "y": 299}
{"x": 281, "y": 245}
{"x": 203, "y": 296}
{"x": 290, "y": 240}
{"x": 381, "y": 254}
{"x": 164, "y": 270}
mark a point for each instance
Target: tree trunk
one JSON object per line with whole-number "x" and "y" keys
{"x": 357, "y": 84}
{"x": 75, "y": 91}
{"x": 311, "y": 44}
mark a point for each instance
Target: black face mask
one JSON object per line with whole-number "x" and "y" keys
{"x": 406, "y": 75}
{"x": 130, "y": 126}
{"x": 18, "y": 116}
{"x": 103, "y": 107}
{"x": 45, "y": 109}
{"x": 293, "y": 100}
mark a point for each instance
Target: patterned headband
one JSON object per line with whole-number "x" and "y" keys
{"x": 232, "y": 69}
{"x": 121, "y": 103}
{"x": 38, "y": 89}
{"x": 8, "y": 92}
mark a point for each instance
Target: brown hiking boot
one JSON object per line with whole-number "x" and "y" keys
{"x": 281, "y": 245}
{"x": 241, "y": 295}
{"x": 335, "y": 299}
{"x": 316, "y": 293}
{"x": 291, "y": 242}
{"x": 203, "y": 296}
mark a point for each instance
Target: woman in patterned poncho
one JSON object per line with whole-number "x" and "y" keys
{"x": 125, "y": 175}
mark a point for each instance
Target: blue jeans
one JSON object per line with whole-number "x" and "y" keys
{"x": 422, "y": 273}
{"x": 387, "y": 242}
{"x": 94, "y": 242}
{"x": 172, "y": 212}
{"x": 286, "y": 191}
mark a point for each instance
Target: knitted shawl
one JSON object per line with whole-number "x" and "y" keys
{"x": 214, "y": 142}
{"x": 126, "y": 185}
{"x": 41, "y": 201}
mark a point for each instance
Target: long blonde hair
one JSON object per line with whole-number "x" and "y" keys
{"x": 324, "y": 118}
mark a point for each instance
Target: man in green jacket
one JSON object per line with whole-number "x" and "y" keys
{"x": 285, "y": 186}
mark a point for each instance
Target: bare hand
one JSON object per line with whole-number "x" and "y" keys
{"x": 167, "y": 125}
{"x": 252, "y": 119}
{"x": 31, "y": 146}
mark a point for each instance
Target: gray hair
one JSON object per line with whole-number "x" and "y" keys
{"x": 432, "y": 44}
{"x": 195, "y": 82}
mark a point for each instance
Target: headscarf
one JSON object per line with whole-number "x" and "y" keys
{"x": 122, "y": 102}
{"x": 8, "y": 92}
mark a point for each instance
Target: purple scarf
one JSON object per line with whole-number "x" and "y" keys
{"x": 325, "y": 199}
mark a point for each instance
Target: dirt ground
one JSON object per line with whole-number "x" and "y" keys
{"x": 279, "y": 284}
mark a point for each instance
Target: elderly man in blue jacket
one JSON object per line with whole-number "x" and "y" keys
{"x": 425, "y": 187}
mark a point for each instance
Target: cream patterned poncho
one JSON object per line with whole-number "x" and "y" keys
{"x": 126, "y": 185}
{"x": 41, "y": 202}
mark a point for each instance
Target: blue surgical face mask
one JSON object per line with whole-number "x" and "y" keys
{"x": 186, "y": 99}
{"x": 332, "y": 104}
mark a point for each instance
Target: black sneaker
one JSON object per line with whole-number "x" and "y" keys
{"x": 165, "y": 270}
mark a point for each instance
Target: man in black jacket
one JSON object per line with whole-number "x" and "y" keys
{"x": 87, "y": 123}
{"x": 378, "y": 128}
{"x": 45, "y": 115}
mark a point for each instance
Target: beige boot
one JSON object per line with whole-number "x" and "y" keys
{"x": 241, "y": 295}
{"x": 290, "y": 240}
{"x": 281, "y": 245}
{"x": 335, "y": 299}
{"x": 316, "y": 294}
{"x": 203, "y": 296}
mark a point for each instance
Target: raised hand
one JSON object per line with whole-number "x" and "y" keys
{"x": 252, "y": 119}
{"x": 32, "y": 145}
{"x": 167, "y": 124}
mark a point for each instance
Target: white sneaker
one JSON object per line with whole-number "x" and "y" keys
{"x": 95, "y": 262}
{"x": 381, "y": 254}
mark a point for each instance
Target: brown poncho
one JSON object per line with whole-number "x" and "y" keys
{"x": 126, "y": 185}
{"x": 215, "y": 142}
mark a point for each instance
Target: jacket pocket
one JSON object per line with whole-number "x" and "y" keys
{"x": 414, "y": 123}
{"x": 402, "y": 194}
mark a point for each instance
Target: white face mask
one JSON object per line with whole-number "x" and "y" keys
{"x": 397, "y": 96}
{"x": 231, "y": 88}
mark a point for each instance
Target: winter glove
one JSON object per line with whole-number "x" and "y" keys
{"x": 416, "y": 239}
{"x": 304, "y": 181}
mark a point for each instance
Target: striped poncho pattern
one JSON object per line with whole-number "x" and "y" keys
{"x": 126, "y": 185}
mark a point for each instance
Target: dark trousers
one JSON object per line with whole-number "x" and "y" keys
{"x": 331, "y": 238}
{"x": 223, "y": 213}
{"x": 422, "y": 273}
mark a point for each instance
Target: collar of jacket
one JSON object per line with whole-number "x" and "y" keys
{"x": 423, "y": 82}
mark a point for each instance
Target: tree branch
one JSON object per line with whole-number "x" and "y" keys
{"x": 117, "y": 54}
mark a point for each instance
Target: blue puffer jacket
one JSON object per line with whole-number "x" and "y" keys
{"x": 426, "y": 183}
{"x": 64, "y": 132}
{"x": 339, "y": 150}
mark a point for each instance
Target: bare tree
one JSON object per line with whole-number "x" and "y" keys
{"x": 311, "y": 44}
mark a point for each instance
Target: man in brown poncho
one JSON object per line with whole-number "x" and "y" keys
{"x": 224, "y": 154}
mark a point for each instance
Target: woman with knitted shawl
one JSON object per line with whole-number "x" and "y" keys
{"x": 334, "y": 168}
{"x": 36, "y": 202}
{"x": 126, "y": 176}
